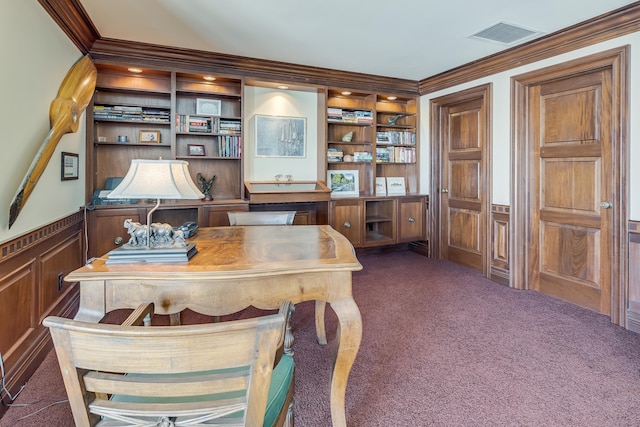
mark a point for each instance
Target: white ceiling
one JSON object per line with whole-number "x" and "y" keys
{"x": 411, "y": 39}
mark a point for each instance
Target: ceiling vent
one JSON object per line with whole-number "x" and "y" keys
{"x": 506, "y": 34}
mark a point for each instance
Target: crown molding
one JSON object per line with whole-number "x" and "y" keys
{"x": 74, "y": 21}
{"x": 610, "y": 25}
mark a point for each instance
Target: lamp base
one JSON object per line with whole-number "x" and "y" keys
{"x": 152, "y": 255}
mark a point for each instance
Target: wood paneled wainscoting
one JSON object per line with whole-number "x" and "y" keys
{"x": 32, "y": 287}
{"x": 633, "y": 293}
{"x": 500, "y": 244}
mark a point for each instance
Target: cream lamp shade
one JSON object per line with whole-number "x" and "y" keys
{"x": 157, "y": 179}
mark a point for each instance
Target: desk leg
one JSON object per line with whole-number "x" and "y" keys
{"x": 92, "y": 301}
{"x": 320, "y": 331}
{"x": 348, "y": 342}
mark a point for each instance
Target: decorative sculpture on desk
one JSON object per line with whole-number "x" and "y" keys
{"x": 161, "y": 236}
{"x": 206, "y": 186}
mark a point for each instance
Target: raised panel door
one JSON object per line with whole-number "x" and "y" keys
{"x": 346, "y": 218}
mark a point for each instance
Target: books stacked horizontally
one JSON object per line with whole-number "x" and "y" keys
{"x": 130, "y": 113}
{"x": 362, "y": 156}
{"x": 230, "y": 127}
{"x": 349, "y": 116}
{"x": 396, "y": 137}
{"x": 334, "y": 155}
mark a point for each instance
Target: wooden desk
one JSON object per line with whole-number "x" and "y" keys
{"x": 237, "y": 267}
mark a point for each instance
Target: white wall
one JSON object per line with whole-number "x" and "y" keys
{"x": 500, "y": 155}
{"x": 287, "y": 103}
{"x": 36, "y": 56}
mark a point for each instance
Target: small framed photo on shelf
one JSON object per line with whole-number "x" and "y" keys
{"x": 343, "y": 183}
{"x": 381, "y": 186}
{"x": 149, "y": 136}
{"x": 69, "y": 166}
{"x": 208, "y": 107}
{"x": 396, "y": 186}
{"x": 195, "y": 149}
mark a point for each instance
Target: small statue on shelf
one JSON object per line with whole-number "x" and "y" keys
{"x": 206, "y": 186}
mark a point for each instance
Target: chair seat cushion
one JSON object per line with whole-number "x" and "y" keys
{"x": 281, "y": 379}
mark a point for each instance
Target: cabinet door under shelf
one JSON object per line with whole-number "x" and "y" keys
{"x": 346, "y": 218}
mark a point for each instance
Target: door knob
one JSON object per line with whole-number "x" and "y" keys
{"x": 444, "y": 190}
{"x": 605, "y": 205}
{"x": 412, "y": 219}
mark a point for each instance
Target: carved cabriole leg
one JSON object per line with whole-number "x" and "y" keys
{"x": 348, "y": 339}
{"x": 320, "y": 331}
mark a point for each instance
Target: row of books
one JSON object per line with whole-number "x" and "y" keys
{"x": 337, "y": 155}
{"x": 349, "y": 116}
{"x": 396, "y": 137}
{"x": 207, "y": 124}
{"x": 395, "y": 155}
{"x": 229, "y": 146}
{"x": 131, "y": 113}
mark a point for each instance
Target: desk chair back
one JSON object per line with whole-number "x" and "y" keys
{"x": 262, "y": 218}
{"x": 169, "y": 375}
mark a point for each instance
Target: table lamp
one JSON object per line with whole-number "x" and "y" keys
{"x": 154, "y": 179}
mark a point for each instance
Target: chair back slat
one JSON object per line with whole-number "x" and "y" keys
{"x": 197, "y": 372}
{"x": 262, "y": 218}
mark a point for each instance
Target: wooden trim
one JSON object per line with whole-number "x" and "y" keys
{"x": 155, "y": 56}
{"x": 20, "y": 244}
{"x": 610, "y": 25}
{"x": 617, "y": 60}
{"x": 74, "y": 21}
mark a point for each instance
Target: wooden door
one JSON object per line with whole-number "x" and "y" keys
{"x": 571, "y": 189}
{"x": 411, "y": 219}
{"x": 346, "y": 218}
{"x": 462, "y": 122}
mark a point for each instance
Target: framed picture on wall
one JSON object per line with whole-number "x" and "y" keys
{"x": 69, "y": 166}
{"x": 280, "y": 136}
{"x": 343, "y": 183}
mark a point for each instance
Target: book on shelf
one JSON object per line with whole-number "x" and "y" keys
{"x": 334, "y": 113}
{"x": 362, "y": 156}
{"x": 395, "y": 155}
{"x": 334, "y": 155}
{"x": 130, "y": 113}
{"x": 364, "y": 116}
{"x": 396, "y": 137}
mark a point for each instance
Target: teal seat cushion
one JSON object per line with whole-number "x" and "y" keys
{"x": 281, "y": 378}
{"x": 280, "y": 382}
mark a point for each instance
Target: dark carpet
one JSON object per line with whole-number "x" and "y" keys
{"x": 442, "y": 346}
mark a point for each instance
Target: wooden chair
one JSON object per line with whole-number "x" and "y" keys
{"x": 261, "y": 218}
{"x": 196, "y": 375}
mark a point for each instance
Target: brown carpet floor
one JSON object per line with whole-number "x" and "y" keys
{"x": 442, "y": 346}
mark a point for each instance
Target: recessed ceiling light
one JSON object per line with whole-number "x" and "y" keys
{"x": 135, "y": 70}
{"x": 392, "y": 98}
{"x": 345, "y": 93}
{"x": 209, "y": 78}
{"x": 283, "y": 87}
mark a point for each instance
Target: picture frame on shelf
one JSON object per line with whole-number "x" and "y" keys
{"x": 343, "y": 183}
{"x": 149, "y": 136}
{"x": 396, "y": 185}
{"x": 196, "y": 149}
{"x": 208, "y": 107}
{"x": 69, "y": 166}
{"x": 278, "y": 136}
{"x": 381, "y": 186}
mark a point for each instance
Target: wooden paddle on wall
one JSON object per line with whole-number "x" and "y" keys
{"x": 65, "y": 110}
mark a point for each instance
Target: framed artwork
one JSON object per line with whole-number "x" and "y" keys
{"x": 195, "y": 149}
{"x": 208, "y": 107}
{"x": 395, "y": 185}
{"x": 343, "y": 183}
{"x": 381, "y": 186}
{"x": 149, "y": 136}
{"x": 69, "y": 166}
{"x": 280, "y": 136}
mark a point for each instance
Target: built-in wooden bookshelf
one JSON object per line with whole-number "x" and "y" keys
{"x": 182, "y": 109}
